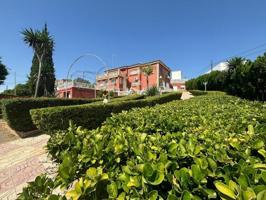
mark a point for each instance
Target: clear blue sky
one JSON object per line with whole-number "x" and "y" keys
{"x": 185, "y": 34}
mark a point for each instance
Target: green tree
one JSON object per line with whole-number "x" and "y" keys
{"x": 244, "y": 78}
{"x": 22, "y": 90}
{"x": 42, "y": 70}
{"x": 3, "y": 72}
{"x": 147, "y": 72}
{"x": 257, "y": 77}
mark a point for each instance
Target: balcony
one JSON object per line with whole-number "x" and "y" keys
{"x": 69, "y": 84}
{"x": 134, "y": 72}
{"x": 108, "y": 75}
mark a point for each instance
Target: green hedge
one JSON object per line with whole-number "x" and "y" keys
{"x": 16, "y": 111}
{"x": 91, "y": 115}
{"x": 197, "y": 92}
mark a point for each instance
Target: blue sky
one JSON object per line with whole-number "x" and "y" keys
{"x": 185, "y": 34}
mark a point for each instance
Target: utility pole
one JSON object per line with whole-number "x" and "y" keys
{"x": 211, "y": 65}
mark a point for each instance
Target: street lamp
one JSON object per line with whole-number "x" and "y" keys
{"x": 205, "y": 85}
{"x": 15, "y": 79}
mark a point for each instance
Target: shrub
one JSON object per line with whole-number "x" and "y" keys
{"x": 152, "y": 91}
{"x": 92, "y": 115}
{"x": 128, "y": 97}
{"x": 206, "y": 147}
{"x": 16, "y": 111}
{"x": 197, "y": 92}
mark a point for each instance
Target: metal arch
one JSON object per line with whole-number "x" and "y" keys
{"x": 85, "y": 55}
{"x": 89, "y": 55}
{"x": 79, "y": 71}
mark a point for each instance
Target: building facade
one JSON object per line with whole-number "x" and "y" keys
{"x": 132, "y": 77}
{"x": 74, "y": 89}
{"x": 177, "y": 81}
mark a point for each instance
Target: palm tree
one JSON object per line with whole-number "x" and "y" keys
{"x": 234, "y": 62}
{"x": 147, "y": 72}
{"x": 40, "y": 42}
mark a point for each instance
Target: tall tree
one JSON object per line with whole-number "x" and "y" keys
{"x": 3, "y": 72}
{"x": 42, "y": 77}
{"x": 147, "y": 72}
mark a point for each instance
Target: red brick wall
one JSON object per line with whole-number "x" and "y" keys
{"x": 77, "y": 93}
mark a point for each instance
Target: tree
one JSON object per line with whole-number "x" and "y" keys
{"x": 3, "y": 72}
{"x": 147, "y": 72}
{"x": 42, "y": 44}
{"x": 22, "y": 90}
{"x": 244, "y": 78}
{"x": 258, "y": 77}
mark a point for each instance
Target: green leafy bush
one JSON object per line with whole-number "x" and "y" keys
{"x": 152, "y": 91}
{"x": 208, "y": 147}
{"x": 41, "y": 188}
{"x": 197, "y": 92}
{"x": 91, "y": 115}
{"x": 17, "y": 111}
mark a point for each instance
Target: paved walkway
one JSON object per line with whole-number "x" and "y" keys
{"x": 186, "y": 95}
{"x": 21, "y": 160}
{"x": 5, "y": 133}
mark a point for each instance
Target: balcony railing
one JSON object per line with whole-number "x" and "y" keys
{"x": 134, "y": 72}
{"x": 69, "y": 84}
{"x": 108, "y": 75}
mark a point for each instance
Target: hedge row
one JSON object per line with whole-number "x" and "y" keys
{"x": 16, "y": 111}
{"x": 207, "y": 147}
{"x": 197, "y": 92}
{"x": 89, "y": 116}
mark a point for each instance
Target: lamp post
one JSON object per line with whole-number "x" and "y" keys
{"x": 15, "y": 80}
{"x": 205, "y": 85}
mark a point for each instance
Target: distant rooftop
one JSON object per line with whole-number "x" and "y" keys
{"x": 140, "y": 64}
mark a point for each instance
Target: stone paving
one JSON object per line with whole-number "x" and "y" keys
{"x": 21, "y": 160}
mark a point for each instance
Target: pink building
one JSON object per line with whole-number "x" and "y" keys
{"x": 122, "y": 79}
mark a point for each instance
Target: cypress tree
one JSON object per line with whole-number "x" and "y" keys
{"x": 47, "y": 80}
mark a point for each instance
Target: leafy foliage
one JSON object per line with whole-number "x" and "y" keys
{"x": 243, "y": 78}
{"x": 152, "y": 91}
{"x": 41, "y": 188}
{"x": 147, "y": 72}
{"x": 197, "y": 92}
{"x": 208, "y": 147}
{"x": 91, "y": 115}
{"x": 42, "y": 70}
{"x": 17, "y": 111}
{"x": 22, "y": 90}
{"x": 3, "y": 72}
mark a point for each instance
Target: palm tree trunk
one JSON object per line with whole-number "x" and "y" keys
{"x": 39, "y": 76}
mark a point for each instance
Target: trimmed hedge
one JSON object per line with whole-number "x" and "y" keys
{"x": 89, "y": 116}
{"x": 197, "y": 92}
{"x": 16, "y": 111}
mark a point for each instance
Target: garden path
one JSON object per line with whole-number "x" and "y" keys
{"x": 21, "y": 160}
{"x": 186, "y": 95}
